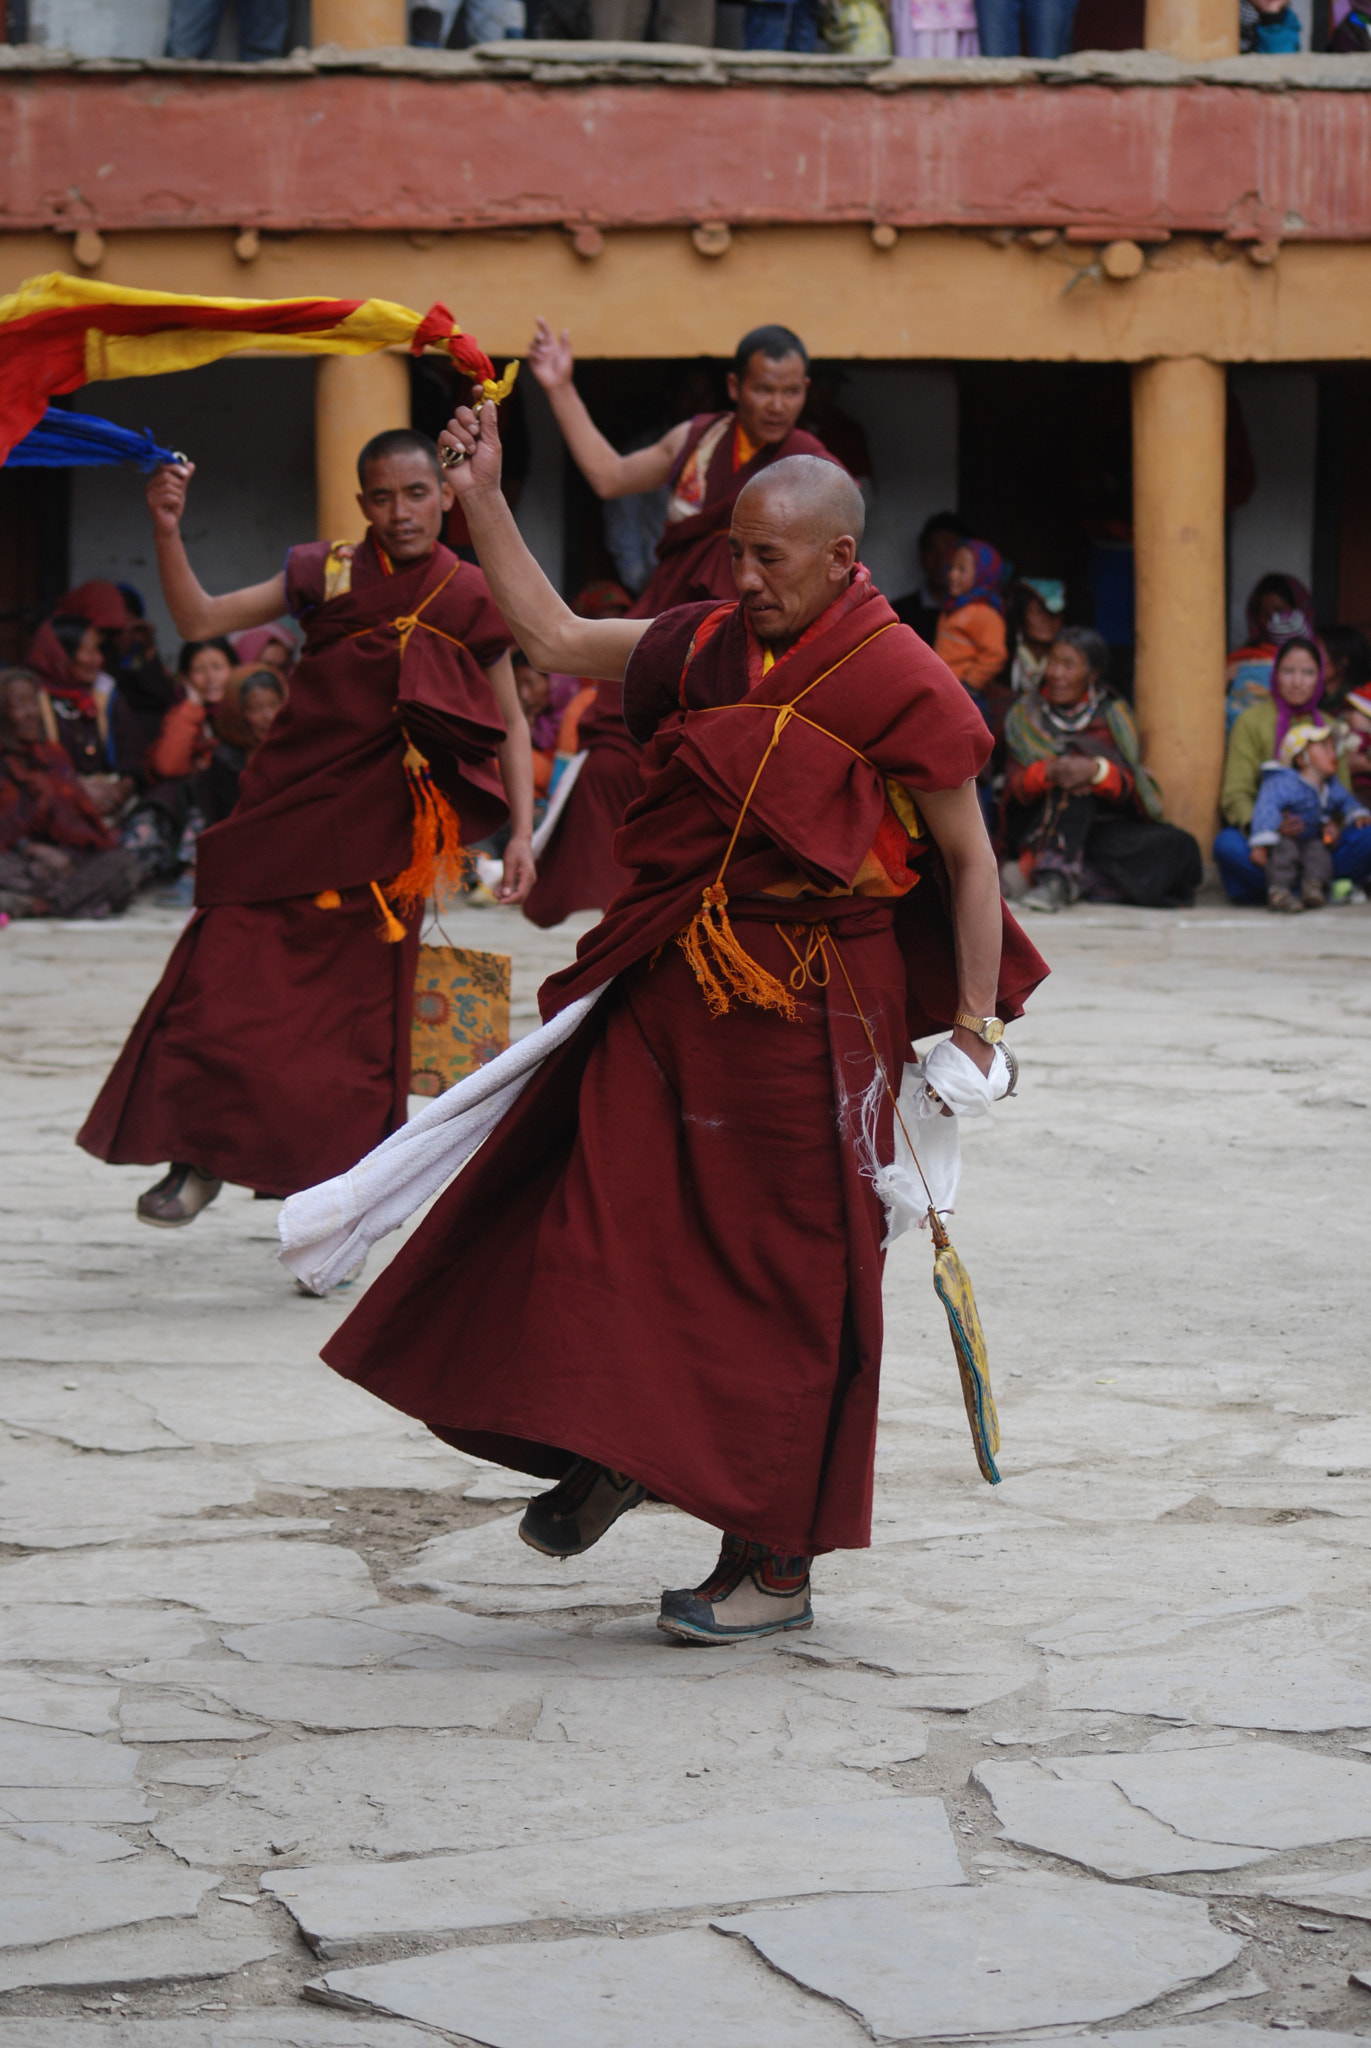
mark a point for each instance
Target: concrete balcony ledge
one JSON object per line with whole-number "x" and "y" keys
{"x": 582, "y": 63}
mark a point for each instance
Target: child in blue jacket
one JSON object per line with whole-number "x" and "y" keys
{"x": 1299, "y": 816}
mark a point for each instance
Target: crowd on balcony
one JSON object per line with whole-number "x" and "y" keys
{"x": 921, "y": 29}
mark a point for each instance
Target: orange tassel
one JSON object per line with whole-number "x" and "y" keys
{"x": 438, "y": 859}
{"x": 392, "y": 929}
{"x": 722, "y": 967}
{"x": 328, "y": 899}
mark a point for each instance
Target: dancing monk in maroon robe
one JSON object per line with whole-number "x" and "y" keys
{"x": 660, "y": 1275}
{"x": 275, "y": 1050}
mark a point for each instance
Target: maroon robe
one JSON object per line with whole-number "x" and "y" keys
{"x": 274, "y": 1051}
{"x": 667, "y": 1257}
{"x": 692, "y": 555}
{"x": 577, "y": 869}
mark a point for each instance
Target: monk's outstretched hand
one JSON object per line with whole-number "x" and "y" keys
{"x": 167, "y": 495}
{"x": 520, "y": 873}
{"x": 475, "y": 437}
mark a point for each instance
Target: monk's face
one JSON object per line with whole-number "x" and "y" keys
{"x": 786, "y": 572}
{"x": 769, "y": 397}
{"x": 404, "y": 503}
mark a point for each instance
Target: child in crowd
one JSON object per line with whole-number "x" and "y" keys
{"x": 971, "y": 636}
{"x": 1267, "y": 28}
{"x": 1356, "y": 722}
{"x": 1300, "y": 813}
{"x": 1033, "y": 610}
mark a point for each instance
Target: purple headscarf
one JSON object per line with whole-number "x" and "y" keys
{"x": 989, "y": 576}
{"x": 1287, "y": 713}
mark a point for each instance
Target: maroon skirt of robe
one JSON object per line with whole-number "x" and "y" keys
{"x": 273, "y": 1053}
{"x": 667, "y": 1259}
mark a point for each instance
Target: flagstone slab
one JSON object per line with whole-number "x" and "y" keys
{"x": 1028, "y": 1952}
{"x": 350, "y": 1700}
{"x": 133, "y": 1955}
{"x": 50, "y": 1499}
{"x": 415, "y": 1634}
{"x": 292, "y": 2027}
{"x": 56, "y": 1703}
{"x": 1263, "y": 1794}
{"x": 408, "y": 1793}
{"x": 32, "y": 1847}
{"x": 1093, "y": 1824}
{"x": 60, "y": 1633}
{"x": 1202, "y": 2034}
{"x": 370, "y": 1460}
{"x": 82, "y": 1803}
{"x": 259, "y": 1403}
{"x": 891, "y": 1846}
{"x": 661, "y": 1991}
{"x": 162, "y": 1720}
{"x": 1346, "y": 1892}
{"x": 71, "y": 1898}
{"x": 946, "y": 1677}
{"x": 253, "y": 1580}
{"x": 32, "y": 1756}
{"x": 759, "y": 1710}
{"x": 489, "y": 1567}
{"x": 100, "y": 1412}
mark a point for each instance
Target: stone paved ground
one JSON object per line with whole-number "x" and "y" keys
{"x": 299, "y": 1745}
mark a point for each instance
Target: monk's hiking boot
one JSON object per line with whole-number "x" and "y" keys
{"x": 177, "y": 1199}
{"x": 578, "y": 1509}
{"x": 751, "y": 1592}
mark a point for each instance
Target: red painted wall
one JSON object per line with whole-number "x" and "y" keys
{"x": 386, "y": 152}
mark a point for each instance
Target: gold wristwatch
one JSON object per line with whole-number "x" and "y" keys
{"x": 989, "y": 1029}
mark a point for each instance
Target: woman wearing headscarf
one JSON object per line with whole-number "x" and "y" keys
{"x": 971, "y": 636}
{"x": 58, "y": 858}
{"x": 1278, "y": 607}
{"x": 1082, "y": 812}
{"x": 1298, "y": 678}
{"x": 266, "y": 647}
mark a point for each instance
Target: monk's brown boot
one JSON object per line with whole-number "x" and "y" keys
{"x": 178, "y": 1198}
{"x": 577, "y": 1511}
{"x": 751, "y": 1592}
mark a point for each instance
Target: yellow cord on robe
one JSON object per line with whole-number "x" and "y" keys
{"x": 392, "y": 931}
{"x": 721, "y": 965}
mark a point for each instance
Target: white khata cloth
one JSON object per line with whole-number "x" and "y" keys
{"x": 962, "y": 1088}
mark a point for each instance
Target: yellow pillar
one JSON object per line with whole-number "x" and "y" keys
{"x": 1195, "y": 30}
{"x": 363, "y": 24}
{"x": 1178, "y": 537}
{"x": 354, "y": 398}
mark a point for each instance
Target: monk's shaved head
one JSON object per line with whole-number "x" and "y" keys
{"x": 813, "y": 496}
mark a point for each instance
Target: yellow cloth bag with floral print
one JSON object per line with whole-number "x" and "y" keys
{"x": 461, "y": 1015}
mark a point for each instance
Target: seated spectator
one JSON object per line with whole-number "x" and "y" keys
{"x": 58, "y": 857}
{"x": 1356, "y": 747}
{"x": 1353, "y": 32}
{"x": 1347, "y": 664}
{"x": 1033, "y": 619}
{"x": 242, "y": 719}
{"x": 1083, "y": 815}
{"x": 1267, "y": 28}
{"x": 856, "y": 28}
{"x": 934, "y": 28}
{"x": 143, "y": 691}
{"x": 1043, "y": 25}
{"x": 780, "y": 25}
{"x": 1297, "y": 682}
{"x": 266, "y": 647}
{"x": 66, "y": 657}
{"x": 1299, "y": 816}
{"x": 163, "y": 829}
{"x": 939, "y": 539}
{"x": 1277, "y": 608}
{"x": 971, "y": 637}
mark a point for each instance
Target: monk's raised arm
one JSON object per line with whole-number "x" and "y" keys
{"x": 197, "y": 615}
{"x": 547, "y": 630}
{"x": 609, "y": 474}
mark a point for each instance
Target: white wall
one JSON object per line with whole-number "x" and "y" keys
{"x": 910, "y": 417}
{"x": 1274, "y": 530}
{"x": 249, "y": 428}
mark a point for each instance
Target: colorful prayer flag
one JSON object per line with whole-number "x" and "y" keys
{"x": 58, "y": 333}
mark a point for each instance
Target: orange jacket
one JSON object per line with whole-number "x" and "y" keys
{"x": 971, "y": 641}
{"x": 182, "y": 747}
